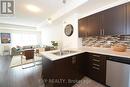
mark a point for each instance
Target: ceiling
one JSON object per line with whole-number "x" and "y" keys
{"x": 48, "y": 8}
{"x": 53, "y": 9}
{"x": 94, "y": 6}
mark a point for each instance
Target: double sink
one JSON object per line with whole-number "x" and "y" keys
{"x": 64, "y": 52}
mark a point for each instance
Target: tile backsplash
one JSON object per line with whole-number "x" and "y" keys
{"x": 106, "y": 41}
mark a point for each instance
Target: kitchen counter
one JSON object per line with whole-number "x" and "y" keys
{"x": 53, "y": 57}
{"x": 97, "y": 50}
{"x": 106, "y": 51}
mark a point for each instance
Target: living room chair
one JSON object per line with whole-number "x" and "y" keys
{"x": 27, "y": 55}
{"x": 14, "y": 51}
{"x": 38, "y": 50}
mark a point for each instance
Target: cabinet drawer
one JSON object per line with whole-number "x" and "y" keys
{"x": 96, "y": 68}
{"x": 96, "y": 58}
{"x": 97, "y": 65}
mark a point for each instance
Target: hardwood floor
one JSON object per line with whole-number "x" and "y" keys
{"x": 18, "y": 77}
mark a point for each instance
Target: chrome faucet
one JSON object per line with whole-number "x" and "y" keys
{"x": 61, "y": 50}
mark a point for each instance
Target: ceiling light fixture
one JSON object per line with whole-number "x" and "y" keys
{"x": 33, "y": 8}
{"x": 49, "y": 20}
{"x": 64, "y": 1}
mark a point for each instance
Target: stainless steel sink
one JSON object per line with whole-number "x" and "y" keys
{"x": 64, "y": 52}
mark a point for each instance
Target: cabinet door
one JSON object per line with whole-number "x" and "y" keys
{"x": 93, "y": 25}
{"x": 83, "y": 27}
{"x": 80, "y": 64}
{"x": 114, "y": 20}
{"x": 62, "y": 67}
{"x": 128, "y": 18}
{"x": 68, "y": 67}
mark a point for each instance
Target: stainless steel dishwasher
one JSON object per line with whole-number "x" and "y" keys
{"x": 118, "y": 72}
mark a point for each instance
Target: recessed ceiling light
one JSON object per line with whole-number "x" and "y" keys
{"x": 49, "y": 20}
{"x": 33, "y": 8}
{"x": 64, "y": 1}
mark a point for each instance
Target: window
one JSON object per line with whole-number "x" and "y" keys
{"x": 22, "y": 39}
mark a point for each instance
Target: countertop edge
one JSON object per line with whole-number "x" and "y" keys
{"x": 102, "y": 51}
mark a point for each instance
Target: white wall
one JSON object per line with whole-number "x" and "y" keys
{"x": 53, "y": 31}
{"x": 71, "y": 41}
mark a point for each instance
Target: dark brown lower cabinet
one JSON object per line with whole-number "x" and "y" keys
{"x": 95, "y": 67}
{"x": 66, "y": 72}
{"x": 63, "y": 72}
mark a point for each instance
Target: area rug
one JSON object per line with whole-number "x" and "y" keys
{"x": 16, "y": 61}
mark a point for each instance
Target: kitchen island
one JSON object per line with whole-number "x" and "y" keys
{"x": 62, "y": 70}
{"x": 66, "y": 70}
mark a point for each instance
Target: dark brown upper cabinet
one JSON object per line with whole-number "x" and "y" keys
{"x": 128, "y": 18}
{"x": 89, "y": 26}
{"x": 109, "y": 22}
{"x": 113, "y": 20}
{"x": 93, "y": 25}
{"x": 83, "y": 27}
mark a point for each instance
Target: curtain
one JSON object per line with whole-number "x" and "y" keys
{"x": 21, "y": 39}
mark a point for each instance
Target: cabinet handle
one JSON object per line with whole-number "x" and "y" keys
{"x": 96, "y": 64}
{"x": 87, "y": 34}
{"x": 96, "y": 60}
{"x": 96, "y": 68}
{"x": 103, "y": 31}
{"x": 109, "y": 58}
{"x": 100, "y": 31}
{"x": 73, "y": 59}
{"x": 96, "y": 55}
